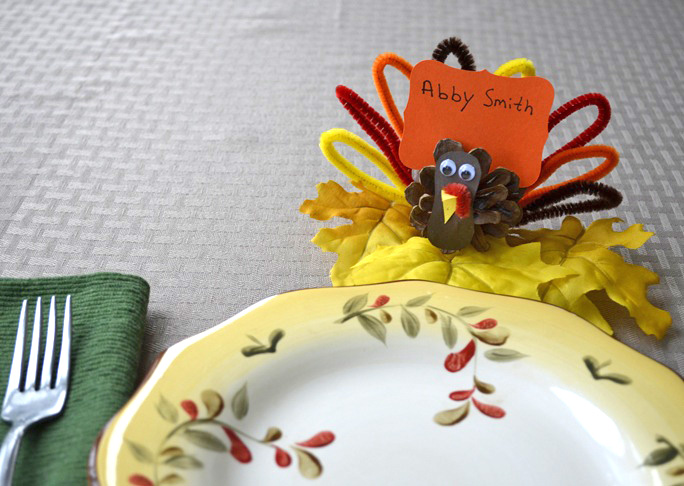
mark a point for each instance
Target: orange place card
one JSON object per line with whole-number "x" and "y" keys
{"x": 508, "y": 117}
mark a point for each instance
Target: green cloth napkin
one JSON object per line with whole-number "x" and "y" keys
{"x": 108, "y": 319}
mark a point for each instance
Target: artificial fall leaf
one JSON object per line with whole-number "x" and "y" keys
{"x": 584, "y": 307}
{"x": 596, "y": 268}
{"x": 375, "y": 222}
{"x": 506, "y": 270}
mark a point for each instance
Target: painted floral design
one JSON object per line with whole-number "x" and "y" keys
{"x": 374, "y": 318}
{"x": 481, "y": 332}
{"x": 260, "y": 348}
{"x": 667, "y": 453}
{"x": 206, "y": 431}
{"x": 198, "y": 429}
{"x": 595, "y": 368}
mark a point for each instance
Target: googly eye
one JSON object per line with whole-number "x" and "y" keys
{"x": 466, "y": 172}
{"x": 447, "y": 167}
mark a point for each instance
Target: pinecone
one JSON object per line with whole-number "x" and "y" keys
{"x": 495, "y": 206}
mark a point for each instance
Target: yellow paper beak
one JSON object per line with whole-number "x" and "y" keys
{"x": 449, "y": 204}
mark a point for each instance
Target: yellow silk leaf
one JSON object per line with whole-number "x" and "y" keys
{"x": 375, "y": 222}
{"x": 587, "y": 253}
{"x": 583, "y": 306}
{"x": 503, "y": 269}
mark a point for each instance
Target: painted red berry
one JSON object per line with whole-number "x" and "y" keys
{"x": 238, "y": 449}
{"x": 190, "y": 408}
{"x": 485, "y": 324}
{"x": 380, "y": 301}
{"x": 461, "y": 394}
{"x": 321, "y": 439}
{"x": 457, "y": 361}
{"x": 489, "y": 410}
{"x": 139, "y": 480}
{"x": 282, "y": 458}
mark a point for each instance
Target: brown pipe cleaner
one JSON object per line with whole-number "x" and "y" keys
{"x": 545, "y": 207}
{"x": 455, "y": 46}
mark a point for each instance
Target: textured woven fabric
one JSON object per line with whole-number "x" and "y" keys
{"x": 175, "y": 140}
{"x": 108, "y": 316}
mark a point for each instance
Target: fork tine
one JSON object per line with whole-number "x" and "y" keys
{"x": 65, "y": 353}
{"x": 32, "y": 370}
{"x": 46, "y": 373}
{"x": 18, "y": 356}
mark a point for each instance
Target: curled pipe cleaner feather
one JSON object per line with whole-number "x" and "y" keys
{"x": 405, "y": 67}
{"x": 545, "y": 207}
{"x": 338, "y": 135}
{"x": 611, "y": 159}
{"x": 455, "y": 46}
{"x": 377, "y": 128}
{"x": 591, "y": 132}
{"x": 521, "y": 65}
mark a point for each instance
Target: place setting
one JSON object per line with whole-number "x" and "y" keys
{"x": 463, "y": 340}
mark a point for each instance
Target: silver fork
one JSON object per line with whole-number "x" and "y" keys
{"x": 35, "y": 400}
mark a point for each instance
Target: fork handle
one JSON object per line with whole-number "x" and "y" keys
{"x": 8, "y": 453}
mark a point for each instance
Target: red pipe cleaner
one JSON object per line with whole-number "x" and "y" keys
{"x": 591, "y": 132}
{"x": 379, "y": 129}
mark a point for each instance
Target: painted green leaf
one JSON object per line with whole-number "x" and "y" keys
{"x": 675, "y": 471}
{"x": 309, "y": 465}
{"x": 453, "y": 416}
{"x": 449, "y": 332}
{"x": 663, "y": 440}
{"x": 503, "y": 354}
{"x": 660, "y": 456}
{"x": 166, "y": 409}
{"x": 171, "y": 479}
{"x": 275, "y": 337}
{"x": 594, "y": 368}
{"x": 355, "y": 304}
{"x": 617, "y": 378}
{"x": 248, "y": 351}
{"x": 260, "y": 348}
{"x": 272, "y": 434}
{"x": 205, "y": 440}
{"x": 240, "y": 403}
{"x": 212, "y": 402}
{"x": 409, "y": 322}
{"x": 418, "y": 301}
{"x": 483, "y": 387}
{"x": 184, "y": 462}
{"x": 254, "y": 340}
{"x": 140, "y": 452}
{"x": 471, "y": 311}
{"x": 171, "y": 452}
{"x": 373, "y": 326}
{"x": 591, "y": 364}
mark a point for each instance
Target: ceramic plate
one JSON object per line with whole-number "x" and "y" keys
{"x": 407, "y": 383}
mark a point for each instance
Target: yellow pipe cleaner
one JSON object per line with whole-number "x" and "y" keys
{"x": 328, "y": 139}
{"x": 521, "y": 65}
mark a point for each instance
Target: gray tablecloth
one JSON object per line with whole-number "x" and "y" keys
{"x": 175, "y": 140}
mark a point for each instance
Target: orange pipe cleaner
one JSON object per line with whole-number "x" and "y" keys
{"x": 554, "y": 162}
{"x": 398, "y": 62}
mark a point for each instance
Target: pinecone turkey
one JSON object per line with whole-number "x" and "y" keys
{"x": 458, "y": 201}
